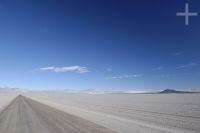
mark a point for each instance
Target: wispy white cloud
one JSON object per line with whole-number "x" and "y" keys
{"x": 47, "y": 68}
{"x": 188, "y": 65}
{"x": 177, "y": 54}
{"x": 174, "y": 75}
{"x": 108, "y": 69}
{"x": 77, "y": 69}
{"x": 158, "y": 68}
{"x": 125, "y": 76}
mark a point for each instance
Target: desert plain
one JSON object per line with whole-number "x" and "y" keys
{"x": 61, "y": 112}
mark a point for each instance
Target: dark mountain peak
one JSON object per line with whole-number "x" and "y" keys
{"x": 175, "y": 91}
{"x": 170, "y": 91}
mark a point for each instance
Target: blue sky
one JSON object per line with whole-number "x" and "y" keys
{"x": 101, "y": 44}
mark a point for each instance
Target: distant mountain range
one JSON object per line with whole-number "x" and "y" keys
{"x": 175, "y": 91}
{"x": 93, "y": 91}
{"x": 7, "y": 89}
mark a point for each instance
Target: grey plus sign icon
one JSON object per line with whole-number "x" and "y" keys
{"x": 186, "y": 14}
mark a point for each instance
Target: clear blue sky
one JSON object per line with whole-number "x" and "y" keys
{"x": 99, "y": 44}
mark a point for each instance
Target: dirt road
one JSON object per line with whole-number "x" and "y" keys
{"x": 24, "y": 115}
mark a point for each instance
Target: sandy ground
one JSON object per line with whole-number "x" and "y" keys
{"x": 130, "y": 113}
{"x": 6, "y": 98}
{"x": 24, "y": 115}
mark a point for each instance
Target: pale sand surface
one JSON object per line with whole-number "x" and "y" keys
{"x": 24, "y": 115}
{"x": 6, "y": 98}
{"x": 130, "y": 113}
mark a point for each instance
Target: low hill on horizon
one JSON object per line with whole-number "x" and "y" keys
{"x": 175, "y": 91}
